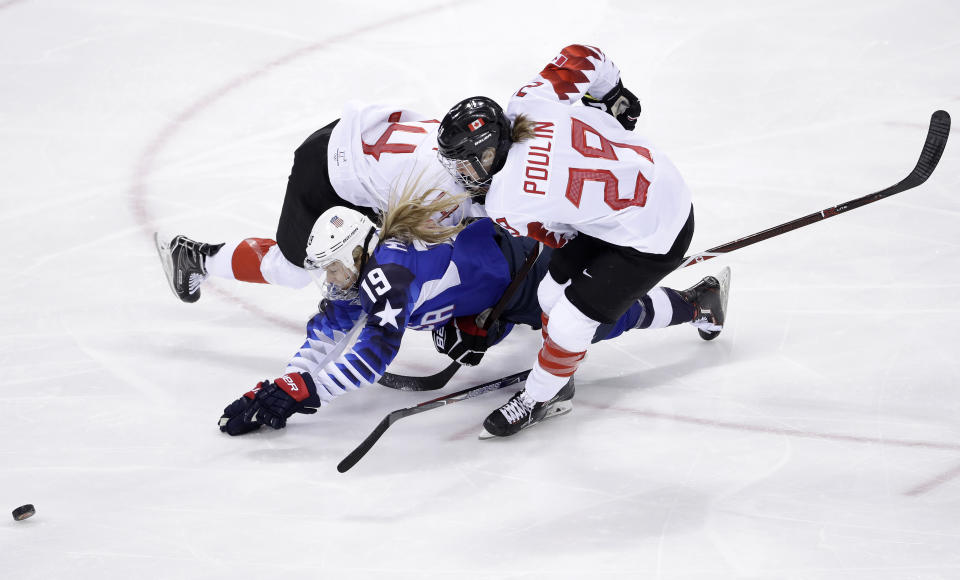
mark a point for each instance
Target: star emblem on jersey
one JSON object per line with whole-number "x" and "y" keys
{"x": 388, "y": 315}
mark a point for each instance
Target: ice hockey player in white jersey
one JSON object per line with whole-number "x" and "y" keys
{"x": 578, "y": 179}
{"x": 356, "y": 162}
{"x": 411, "y": 275}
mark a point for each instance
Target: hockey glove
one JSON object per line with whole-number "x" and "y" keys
{"x": 232, "y": 421}
{"x": 620, "y": 103}
{"x": 465, "y": 342}
{"x": 281, "y": 398}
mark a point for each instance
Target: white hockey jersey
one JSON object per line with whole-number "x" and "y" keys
{"x": 583, "y": 172}
{"x": 375, "y": 151}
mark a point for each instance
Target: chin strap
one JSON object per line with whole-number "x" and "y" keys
{"x": 367, "y": 251}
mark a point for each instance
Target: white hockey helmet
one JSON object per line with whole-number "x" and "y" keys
{"x": 338, "y": 245}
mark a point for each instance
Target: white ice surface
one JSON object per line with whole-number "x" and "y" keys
{"x": 817, "y": 438}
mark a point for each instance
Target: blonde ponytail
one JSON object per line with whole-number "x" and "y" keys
{"x": 414, "y": 213}
{"x": 522, "y": 129}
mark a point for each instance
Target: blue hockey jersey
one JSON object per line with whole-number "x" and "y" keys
{"x": 403, "y": 286}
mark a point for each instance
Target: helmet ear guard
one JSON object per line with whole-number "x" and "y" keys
{"x": 468, "y": 133}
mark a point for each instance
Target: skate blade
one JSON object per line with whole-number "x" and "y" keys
{"x": 166, "y": 260}
{"x": 559, "y": 408}
{"x": 724, "y": 279}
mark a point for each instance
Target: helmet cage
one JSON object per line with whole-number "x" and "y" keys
{"x": 468, "y": 130}
{"x": 467, "y": 172}
{"x": 330, "y": 291}
{"x": 338, "y": 235}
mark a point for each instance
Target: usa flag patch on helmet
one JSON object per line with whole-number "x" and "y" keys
{"x": 336, "y": 221}
{"x": 476, "y": 125}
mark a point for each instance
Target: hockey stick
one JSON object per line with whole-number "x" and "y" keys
{"x": 932, "y": 150}
{"x": 427, "y": 383}
{"x": 440, "y": 380}
{"x": 929, "y": 157}
{"x": 394, "y": 416}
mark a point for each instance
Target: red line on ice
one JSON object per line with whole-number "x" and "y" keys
{"x": 10, "y": 3}
{"x": 781, "y": 430}
{"x": 934, "y": 482}
{"x": 145, "y": 164}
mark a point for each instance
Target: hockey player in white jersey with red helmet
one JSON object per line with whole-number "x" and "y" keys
{"x": 357, "y": 161}
{"x": 577, "y": 179}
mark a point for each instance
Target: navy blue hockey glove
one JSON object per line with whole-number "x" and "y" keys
{"x": 623, "y": 105}
{"x": 465, "y": 342}
{"x": 232, "y": 421}
{"x": 270, "y": 403}
{"x": 281, "y": 398}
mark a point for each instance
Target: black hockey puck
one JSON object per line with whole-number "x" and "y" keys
{"x": 23, "y": 512}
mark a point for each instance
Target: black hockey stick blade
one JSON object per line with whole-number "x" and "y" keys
{"x": 933, "y": 147}
{"x": 429, "y": 383}
{"x": 357, "y": 454}
{"x": 394, "y": 416}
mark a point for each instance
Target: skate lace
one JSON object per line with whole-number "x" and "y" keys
{"x": 518, "y": 407}
{"x": 191, "y": 261}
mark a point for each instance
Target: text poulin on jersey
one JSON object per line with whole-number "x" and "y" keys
{"x": 537, "y": 164}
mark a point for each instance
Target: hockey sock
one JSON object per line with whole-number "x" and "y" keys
{"x": 247, "y": 257}
{"x": 256, "y": 260}
{"x": 221, "y": 263}
{"x": 564, "y": 348}
{"x": 661, "y": 307}
{"x": 557, "y": 360}
{"x": 554, "y": 367}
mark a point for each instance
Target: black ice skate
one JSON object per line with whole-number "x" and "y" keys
{"x": 184, "y": 262}
{"x": 521, "y": 411}
{"x": 709, "y": 297}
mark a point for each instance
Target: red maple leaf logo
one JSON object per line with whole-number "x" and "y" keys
{"x": 565, "y": 71}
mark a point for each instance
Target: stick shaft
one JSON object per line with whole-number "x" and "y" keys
{"x": 394, "y": 416}
{"x": 929, "y": 157}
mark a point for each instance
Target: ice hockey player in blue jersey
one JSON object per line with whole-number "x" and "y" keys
{"x": 414, "y": 274}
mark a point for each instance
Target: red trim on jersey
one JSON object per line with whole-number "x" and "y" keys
{"x": 503, "y": 224}
{"x": 565, "y": 75}
{"x": 247, "y": 257}
{"x": 544, "y": 319}
{"x": 536, "y": 231}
